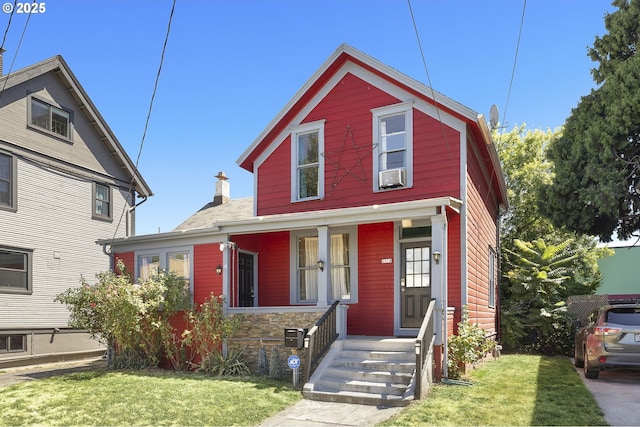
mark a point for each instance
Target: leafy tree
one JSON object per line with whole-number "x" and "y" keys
{"x": 541, "y": 279}
{"x": 523, "y": 154}
{"x": 594, "y": 190}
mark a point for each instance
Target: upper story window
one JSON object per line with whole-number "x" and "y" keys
{"x": 7, "y": 182}
{"x": 307, "y": 142}
{"x": 49, "y": 118}
{"x": 393, "y": 140}
{"x": 102, "y": 206}
{"x": 15, "y": 270}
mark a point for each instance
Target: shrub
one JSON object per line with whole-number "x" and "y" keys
{"x": 131, "y": 318}
{"x": 469, "y": 346}
{"x": 207, "y": 327}
{"x": 217, "y": 363}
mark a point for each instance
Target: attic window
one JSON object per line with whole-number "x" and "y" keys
{"x": 52, "y": 119}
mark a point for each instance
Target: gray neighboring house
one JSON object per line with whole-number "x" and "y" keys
{"x": 64, "y": 182}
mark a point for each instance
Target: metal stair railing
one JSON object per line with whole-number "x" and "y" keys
{"x": 319, "y": 339}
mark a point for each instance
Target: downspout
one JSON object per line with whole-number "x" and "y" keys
{"x": 132, "y": 214}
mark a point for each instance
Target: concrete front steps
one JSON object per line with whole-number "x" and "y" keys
{"x": 369, "y": 371}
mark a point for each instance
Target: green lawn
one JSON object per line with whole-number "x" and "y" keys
{"x": 113, "y": 398}
{"x": 514, "y": 390}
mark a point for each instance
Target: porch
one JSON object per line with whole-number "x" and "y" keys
{"x": 388, "y": 371}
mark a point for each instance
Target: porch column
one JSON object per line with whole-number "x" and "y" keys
{"x": 323, "y": 275}
{"x": 439, "y": 272}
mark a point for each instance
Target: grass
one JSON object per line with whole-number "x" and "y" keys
{"x": 514, "y": 390}
{"x": 117, "y": 398}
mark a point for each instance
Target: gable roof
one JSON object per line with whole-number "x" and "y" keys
{"x": 58, "y": 66}
{"x": 347, "y": 54}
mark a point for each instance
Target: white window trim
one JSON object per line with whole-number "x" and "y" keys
{"x": 378, "y": 114}
{"x": 294, "y": 296}
{"x": 299, "y": 130}
{"x": 162, "y": 253}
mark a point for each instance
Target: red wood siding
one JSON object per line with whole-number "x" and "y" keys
{"x": 128, "y": 258}
{"x": 481, "y": 235}
{"x": 373, "y": 314}
{"x": 348, "y": 179}
{"x": 273, "y": 266}
{"x": 206, "y": 281}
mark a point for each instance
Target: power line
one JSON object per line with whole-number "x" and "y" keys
{"x": 15, "y": 55}
{"x": 146, "y": 124}
{"x": 515, "y": 60}
{"x": 433, "y": 93}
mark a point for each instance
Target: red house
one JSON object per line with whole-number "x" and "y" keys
{"x": 371, "y": 189}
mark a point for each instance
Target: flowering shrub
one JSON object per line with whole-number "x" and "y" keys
{"x": 131, "y": 318}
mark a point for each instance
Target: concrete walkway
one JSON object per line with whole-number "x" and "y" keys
{"x": 314, "y": 413}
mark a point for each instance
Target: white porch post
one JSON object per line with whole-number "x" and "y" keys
{"x": 323, "y": 275}
{"x": 439, "y": 272}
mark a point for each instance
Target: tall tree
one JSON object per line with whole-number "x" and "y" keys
{"x": 523, "y": 155}
{"x": 596, "y": 185}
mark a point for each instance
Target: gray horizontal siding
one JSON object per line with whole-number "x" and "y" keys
{"x": 53, "y": 217}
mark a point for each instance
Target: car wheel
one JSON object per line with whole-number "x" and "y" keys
{"x": 577, "y": 361}
{"x": 590, "y": 373}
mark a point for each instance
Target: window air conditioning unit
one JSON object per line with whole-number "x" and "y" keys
{"x": 393, "y": 178}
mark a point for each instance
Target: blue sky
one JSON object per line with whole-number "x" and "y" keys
{"x": 231, "y": 66}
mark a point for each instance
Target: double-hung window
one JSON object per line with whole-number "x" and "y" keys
{"x": 102, "y": 207}
{"x": 7, "y": 182}
{"x": 492, "y": 277}
{"x": 52, "y": 119}
{"x": 341, "y": 271}
{"x": 307, "y": 144}
{"x": 393, "y": 140}
{"x": 15, "y": 270}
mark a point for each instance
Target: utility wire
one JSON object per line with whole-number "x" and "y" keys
{"x": 6, "y": 31}
{"x": 515, "y": 60}
{"x": 146, "y": 124}
{"x": 15, "y": 55}
{"x": 433, "y": 93}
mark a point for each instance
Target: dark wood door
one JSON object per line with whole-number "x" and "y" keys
{"x": 415, "y": 283}
{"x": 245, "y": 280}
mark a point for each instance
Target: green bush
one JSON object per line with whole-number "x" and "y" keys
{"x": 467, "y": 347}
{"x": 217, "y": 363}
{"x": 133, "y": 319}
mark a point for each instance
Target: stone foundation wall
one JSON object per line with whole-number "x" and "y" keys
{"x": 266, "y": 330}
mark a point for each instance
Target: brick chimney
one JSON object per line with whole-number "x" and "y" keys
{"x": 222, "y": 190}
{"x": 2, "y": 51}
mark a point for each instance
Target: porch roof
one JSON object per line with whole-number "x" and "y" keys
{"x": 218, "y": 230}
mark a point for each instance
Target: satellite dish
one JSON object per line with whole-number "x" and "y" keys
{"x": 493, "y": 116}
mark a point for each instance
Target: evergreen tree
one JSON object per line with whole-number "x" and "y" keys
{"x": 597, "y": 175}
